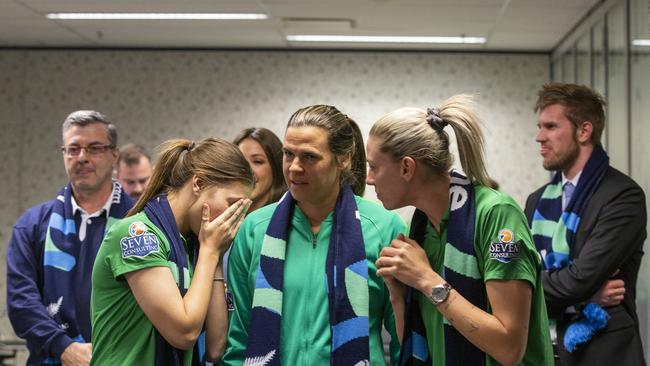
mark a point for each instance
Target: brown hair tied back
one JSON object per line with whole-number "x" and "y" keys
{"x": 435, "y": 121}
{"x": 343, "y": 137}
{"x": 216, "y": 161}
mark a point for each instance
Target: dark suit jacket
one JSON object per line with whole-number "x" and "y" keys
{"x": 610, "y": 238}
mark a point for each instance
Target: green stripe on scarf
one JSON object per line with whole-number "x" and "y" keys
{"x": 461, "y": 263}
{"x": 560, "y": 243}
{"x": 552, "y": 191}
{"x": 543, "y": 227}
{"x": 269, "y": 298}
{"x": 274, "y": 247}
{"x": 52, "y": 249}
{"x": 357, "y": 290}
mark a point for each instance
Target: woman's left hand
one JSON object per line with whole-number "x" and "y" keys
{"x": 405, "y": 260}
{"x": 216, "y": 234}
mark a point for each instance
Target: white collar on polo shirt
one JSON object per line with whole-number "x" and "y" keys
{"x": 85, "y": 217}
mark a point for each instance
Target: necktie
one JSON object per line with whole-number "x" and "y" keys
{"x": 569, "y": 188}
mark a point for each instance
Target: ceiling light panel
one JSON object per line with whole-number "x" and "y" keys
{"x": 157, "y": 16}
{"x": 385, "y": 39}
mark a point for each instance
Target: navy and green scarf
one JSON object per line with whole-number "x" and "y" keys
{"x": 554, "y": 232}
{"x": 67, "y": 263}
{"x": 347, "y": 283}
{"x": 161, "y": 215}
{"x": 460, "y": 270}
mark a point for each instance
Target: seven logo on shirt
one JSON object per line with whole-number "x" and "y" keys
{"x": 505, "y": 249}
{"x": 140, "y": 243}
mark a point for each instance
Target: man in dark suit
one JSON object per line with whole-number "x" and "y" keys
{"x": 589, "y": 225}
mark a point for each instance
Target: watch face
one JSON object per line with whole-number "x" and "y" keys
{"x": 439, "y": 293}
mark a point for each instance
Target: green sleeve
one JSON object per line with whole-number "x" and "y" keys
{"x": 505, "y": 245}
{"x": 389, "y": 324}
{"x": 397, "y": 227}
{"x": 128, "y": 253}
{"x": 239, "y": 267}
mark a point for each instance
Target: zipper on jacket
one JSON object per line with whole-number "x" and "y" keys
{"x": 313, "y": 240}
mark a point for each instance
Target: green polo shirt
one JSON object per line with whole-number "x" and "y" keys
{"x": 496, "y": 214}
{"x": 122, "y": 333}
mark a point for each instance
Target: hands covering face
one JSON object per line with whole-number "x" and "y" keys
{"x": 219, "y": 232}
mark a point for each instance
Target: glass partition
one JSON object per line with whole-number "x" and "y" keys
{"x": 620, "y": 70}
{"x": 617, "y": 126}
{"x": 569, "y": 66}
{"x": 556, "y": 70}
{"x": 639, "y": 134}
{"x": 583, "y": 60}
{"x": 598, "y": 56}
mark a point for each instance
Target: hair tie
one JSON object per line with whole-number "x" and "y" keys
{"x": 191, "y": 147}
{"x": 434, "y": 119}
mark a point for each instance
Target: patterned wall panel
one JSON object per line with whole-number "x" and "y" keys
{"x": 12, "y": 151}
{"x": 157, "y": 95}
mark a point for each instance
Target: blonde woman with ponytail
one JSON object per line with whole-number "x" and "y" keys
{"x": 466, "y": 285}
{"x": 157, "y": 280}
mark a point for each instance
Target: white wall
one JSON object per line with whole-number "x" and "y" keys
{"x": 156, "y": 95}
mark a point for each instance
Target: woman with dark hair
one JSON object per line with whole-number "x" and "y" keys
{"x": 466, "y": 286}
{"x": 153, "y": 290}
{"x": 302, "y": 270}
{"x": 263, "y": 150}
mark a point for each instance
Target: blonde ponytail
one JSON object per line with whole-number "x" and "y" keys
{"x": 458, "y": 111}
{"x": 419, "y": 134}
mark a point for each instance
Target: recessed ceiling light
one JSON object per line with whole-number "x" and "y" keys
{"x": 385, "y": 39}
{"x": 156, "y": 16}
{"x": 641, "y": 42}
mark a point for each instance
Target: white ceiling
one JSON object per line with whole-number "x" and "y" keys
{"x": 517, "y": 25}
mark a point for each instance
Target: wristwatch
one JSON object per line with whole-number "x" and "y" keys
{"x": 440, "y": 293}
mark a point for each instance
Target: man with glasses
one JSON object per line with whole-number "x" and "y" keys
{"x": 53, "y": 246}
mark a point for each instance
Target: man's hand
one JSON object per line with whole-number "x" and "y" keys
{"x": 610, "y": 294}
{"x": 77, "y": 354}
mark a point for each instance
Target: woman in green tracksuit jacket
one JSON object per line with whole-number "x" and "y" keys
{"x": 319, "y": 315}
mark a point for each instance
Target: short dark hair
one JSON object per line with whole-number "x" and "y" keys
{"x": 582, "y": 104}
{"x": 272, "y": 147}
{"x": 130, "y": 154}
{"x": 84, "y": 118}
